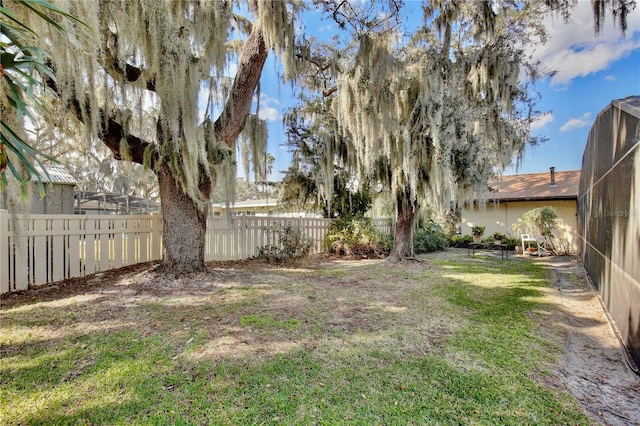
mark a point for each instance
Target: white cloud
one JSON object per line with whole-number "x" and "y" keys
{"x": 577, "y": 123}
{"x": 268, "y": 108}
{"x": 329, "y": 28}
{"x": 610, "y": 77}
{"x": 572, "y": 63}
{"x": 541, "y": 121}
{"x": 268, "y": 113}
{"x": 574, "y": 50}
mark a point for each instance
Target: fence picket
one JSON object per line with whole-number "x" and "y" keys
{"x": 116, "y": 244}
{"x": 4, "y": 251}
{"x": 103, "y": 260}
{"x": 74, "y": 259}
{"x": 130, "y": 244}
{"x": 89, "y": 245}
{"x": 57, "y": 251}
{"x": 143, "y": 229}
{"x": 20, "y": 263}
{"x": 40, "y": 250}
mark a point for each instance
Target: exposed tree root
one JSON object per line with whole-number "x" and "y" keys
{"x": 398, "y": 259}
{"x": 168, "y": 269}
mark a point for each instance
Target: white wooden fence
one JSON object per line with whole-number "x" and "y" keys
{"x": 39, "y": 249}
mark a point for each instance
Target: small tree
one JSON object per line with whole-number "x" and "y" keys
{"x": 541, "y": 220}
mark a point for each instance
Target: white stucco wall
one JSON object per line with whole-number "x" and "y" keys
{"x": 501, "y": 218}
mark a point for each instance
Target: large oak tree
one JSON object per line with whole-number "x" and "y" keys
{"x": 167, "y": 53}
{"x": 432, "y": 117}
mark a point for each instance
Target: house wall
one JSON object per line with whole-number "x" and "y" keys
{"x": 502, "y": 216}
{"x": 58, "y": 199}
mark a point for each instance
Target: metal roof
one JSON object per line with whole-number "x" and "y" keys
{"x": 124, "y": 203}
{"x": 631, "y": 105}
{"x": 264, "y": 202}
{"x": 57, "y": 174}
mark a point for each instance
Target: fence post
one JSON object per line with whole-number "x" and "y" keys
{"x": 4, "y": 251}
{"x": 156, "y": 235}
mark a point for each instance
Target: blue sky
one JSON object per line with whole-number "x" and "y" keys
{"x": 591, "y": 71}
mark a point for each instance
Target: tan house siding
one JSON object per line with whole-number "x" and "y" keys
{"x": 513, "y": 195}
{"x": 502, "y": 216}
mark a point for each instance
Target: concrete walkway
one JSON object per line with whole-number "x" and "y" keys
{"x": 594, "y": 369}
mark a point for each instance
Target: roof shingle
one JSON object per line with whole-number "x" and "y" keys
{"x": 536, "y": 186}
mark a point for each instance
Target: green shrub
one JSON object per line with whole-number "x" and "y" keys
{"x": 428, "y": 237}
{"x": 541, "y": 220}
{"x": 386, "y": 243}
{"x": 460, "y": 241}
{"x": 355, "y": 237}
{"x": 428, "y": 240}
{"x": 284, "y": 243}
{"x": 511, "y": 243}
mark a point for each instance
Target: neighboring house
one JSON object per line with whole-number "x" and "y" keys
{"x": 262, "y": 207}
{"x": 90, "y": 202}
{"x": 513, "y": 195}
{"x": 59, "y": 187}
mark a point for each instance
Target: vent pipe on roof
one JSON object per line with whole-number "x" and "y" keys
{"x": 552, "y": 176}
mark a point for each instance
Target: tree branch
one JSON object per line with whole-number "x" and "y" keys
{"x": 319, "y": 74}
{"x": 254, "y": 54}
{"x": 111, "y": 132}
{"x": 128, "y": 74}
{"x": 114, "y": 133}
{"x": 329, "y": 92}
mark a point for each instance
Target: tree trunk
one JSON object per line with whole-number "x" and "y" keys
{"x": 403, "y": 236}
{"x": 184, "y": 228}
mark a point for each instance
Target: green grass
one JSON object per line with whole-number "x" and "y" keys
{"x": 265, "y": 321}
{"x": 459, "y": 342}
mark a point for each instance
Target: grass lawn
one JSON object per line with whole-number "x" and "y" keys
{"x": 452, "y": 340}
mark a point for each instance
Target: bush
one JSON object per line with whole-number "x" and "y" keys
{"x": 498, "y": 236}
{"x": 460, "y": 241}
{"x": 355, "y": 237}
{"x": 427, "y": 240}
{"x": 511, "y": 243}
{"x": 284, "y": 243}
{"x": 386, "y": 243}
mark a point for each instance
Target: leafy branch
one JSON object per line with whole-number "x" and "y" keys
{"x": 23, "y": 72}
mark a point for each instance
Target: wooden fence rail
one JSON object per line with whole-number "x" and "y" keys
{"x": 39, "y": 249}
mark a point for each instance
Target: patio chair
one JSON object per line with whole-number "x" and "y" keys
{"x": 539, "y": 241}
